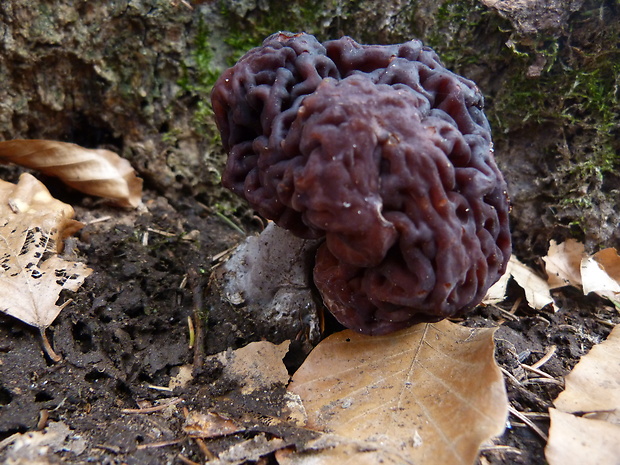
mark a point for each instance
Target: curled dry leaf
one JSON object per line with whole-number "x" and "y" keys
{"x": 537, "y": 290}
{"x": 497, "y": 292}
{"x": 31, "y": 273}
{"x": 209, "y": 425}
{"x": 563, "y": 263}
{"x": 97, "y": 172}
{"x": 429, "y": 394}
{"x": 585, "y": 427}
{"x": 600, "y": 274}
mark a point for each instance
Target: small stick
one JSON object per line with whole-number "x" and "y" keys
{"x": 500, "y": 448}
{"x": 187, "y": 461}
{"x": 544, "y": 381}
{"x": 204, "y": 449}
{"x": 99, "y": 220}
{"x": 43, "y": 417}
{"x": 537, "y": 371}
{"x": 510, "y": 376}
{"x": 157, "y": 408}
{"x": 192, "y": 332}
{"x": 528, "y": 422}
{"x": 159, "y": 388}
{"x": 153, "y": 445}
{"x": 545, "y": 358}
{"x": 47, "y": 347}
{"x": 198, "y": 343}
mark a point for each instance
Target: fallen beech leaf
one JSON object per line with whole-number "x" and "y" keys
{"x": 429, "y": 394}
{"x": 594, "y": 384}
{"x": 34, "y": 204}
{"x": 32, "y": 274}
{"x": 257, "y": 366}
{"x": 249, "y": 451}
{"x": 536, "y": 288}
{"x": 577, "y": 441}
{"x": 209, "y": 425}
{"x": 38, "y": 447}
{"x": 592, "y": 392}
{"x": 97, "y": 172}
{"x": 563, "y": 263}
{"x": 497, "y": 292}
{"x": 600, "y": 274}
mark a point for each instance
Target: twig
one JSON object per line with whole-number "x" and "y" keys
{"x": 501, "y": 448}
{"x": 544, "y": 381}
{"x": 99, "y": 220}
{"x": 160, "y": 232}
{"x": 109, "y": 448}
{"x": 204, "y": 449}
{"x": 192, "y": 332}
{"x": 195, "y": 284}
{"x": 185, "y": 460}
{"x": 153, "y": 445}
{"x": 545, "y": 358}
{"x": 157, "y": 408}
{"x": 536, "y": 415}
{"x": 528, "y": 422}
{"x": 159, "y": 388}
{"x": 47, "y": 347}
{"x": 511, "y": 376}
{"x": 507, "y": 314}
{"x": 44, "y": 415}
{"x": 218, "y": 256}
{"x": 536, "y": 371}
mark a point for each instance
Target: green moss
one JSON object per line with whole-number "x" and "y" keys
{"x": 248, "y": 31}
{"x": 197, "y": 79}
{"x": 455, "y": 36}
{"x": 575, "y": 96}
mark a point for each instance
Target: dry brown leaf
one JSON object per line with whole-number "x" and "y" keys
{"x": 97, "y": 172}
{"x": 43, "y": 447}
{"x": 593, "y": 394}
{"x": 575, "y": 440}
{"x": 563, "y": 263}
{"x": 209, "y": 425}
{"x": 429, "y": 394}
{"x": 537, "y": 291}
{"x": 594, "y": 383}
{"x": 497, "y": 292}
{"x": 600, "y": 274}
{"x": 31, "y": 200}
{"x": 257, "y": 366}
{"x": 32, "y": 274}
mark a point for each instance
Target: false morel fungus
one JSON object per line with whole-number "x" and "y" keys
{"x": 385, "y": 154}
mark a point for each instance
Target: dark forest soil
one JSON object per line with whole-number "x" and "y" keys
{"x": 126, "y": 335}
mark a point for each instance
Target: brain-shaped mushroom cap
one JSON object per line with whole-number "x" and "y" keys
{"x": 385, "y": 154}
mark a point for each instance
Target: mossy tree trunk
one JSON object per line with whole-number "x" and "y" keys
{"x": 135, "y": 76}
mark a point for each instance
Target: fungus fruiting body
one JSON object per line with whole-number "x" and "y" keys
{"x": 386, "y": 155}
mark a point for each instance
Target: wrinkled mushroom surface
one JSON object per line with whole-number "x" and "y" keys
{"x": 385, "y": 154}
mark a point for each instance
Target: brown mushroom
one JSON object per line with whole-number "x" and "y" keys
{"x": 385, "y": 154}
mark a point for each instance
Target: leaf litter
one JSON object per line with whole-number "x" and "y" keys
{"x": 98, "y": 172}
{"x": 585, "y": 423}
{"x": 32, "y": 274}
{"x": 268, "y": 428}
{"x": 402, "y": 398}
